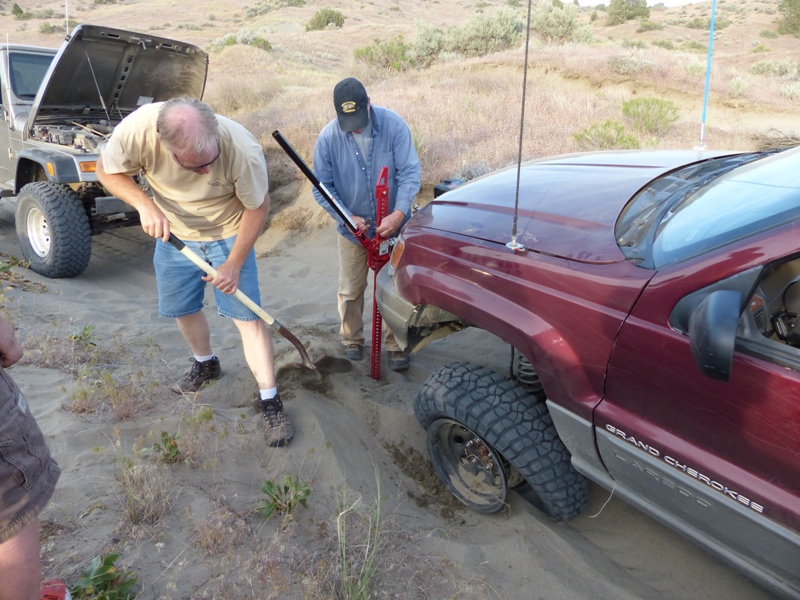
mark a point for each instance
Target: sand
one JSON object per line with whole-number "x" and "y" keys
{"x": 353, "y": 435}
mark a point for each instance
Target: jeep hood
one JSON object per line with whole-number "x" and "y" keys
{"x": 568, "y": 205}
{"x": 102, "y": 73}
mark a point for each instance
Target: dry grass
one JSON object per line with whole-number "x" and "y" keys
{"x": 144, "y": 491}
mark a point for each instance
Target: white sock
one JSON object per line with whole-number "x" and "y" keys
{"x": 268, "y": 394}
{"x": 204, "y": 358}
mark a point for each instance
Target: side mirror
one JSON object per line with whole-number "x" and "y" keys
{"x": 712, "y": 333}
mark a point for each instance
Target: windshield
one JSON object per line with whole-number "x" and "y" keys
{"x": 709, "y": 205}
{"x": 27, "y": 71}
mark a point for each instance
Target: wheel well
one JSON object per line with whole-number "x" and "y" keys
{"x": 28, "y": 171}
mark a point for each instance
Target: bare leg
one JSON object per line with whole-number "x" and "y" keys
{"x": 196, "y": 332}
{"x": 20, "y": 569}
{"x": 258, "y": 351}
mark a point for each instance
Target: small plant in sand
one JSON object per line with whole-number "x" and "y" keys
{"x": 167, "y": 449}
{"x": 143, "y": 492}
{"x": 103, "y": 580}
{"x": 283, "y": 498}
{"x": 359, "y": 530}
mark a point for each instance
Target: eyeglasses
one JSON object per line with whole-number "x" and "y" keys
{"x": 198, "y": 167}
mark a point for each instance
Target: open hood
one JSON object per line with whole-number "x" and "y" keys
{"x": 105, "y": 74}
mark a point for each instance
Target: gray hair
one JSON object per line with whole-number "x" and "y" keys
{"x": 187, "y": 125}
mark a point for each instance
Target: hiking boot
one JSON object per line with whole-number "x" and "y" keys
{"x": 398, "y": 360}
{"x": 198, "y": 377}
{"x": 353, "y": 351}
{"x": 278, "y": 429}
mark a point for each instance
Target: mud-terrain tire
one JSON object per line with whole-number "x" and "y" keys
{"x": 53, "y": 229}
{"x": 513, "y": 424}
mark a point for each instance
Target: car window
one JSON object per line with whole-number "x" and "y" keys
{"x": 745, "y": 200}
{"x": 27, "y": 71}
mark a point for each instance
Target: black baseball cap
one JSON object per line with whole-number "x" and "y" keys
{"x": 351, "y": 102}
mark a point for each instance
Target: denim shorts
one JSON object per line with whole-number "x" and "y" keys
{"x": 181, "y": 289}
{"x": 28, "y": 474}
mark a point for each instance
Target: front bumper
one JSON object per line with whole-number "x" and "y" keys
{"x": 395, "y": 310}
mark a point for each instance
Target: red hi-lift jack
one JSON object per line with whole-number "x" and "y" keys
{"x": 378, "y": 249}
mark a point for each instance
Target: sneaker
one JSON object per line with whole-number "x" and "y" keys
{"x": 278, "y": 429}
{"x": 398, "y": 360}
{"x": 353, "y": 351}
{"x": 55, "y": 589}
{"x": 200, "y": 375}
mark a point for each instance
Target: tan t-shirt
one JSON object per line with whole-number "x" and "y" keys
{"x": 199, "y": 207}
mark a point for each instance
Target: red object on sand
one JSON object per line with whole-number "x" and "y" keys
{"x": 55, "y": 589}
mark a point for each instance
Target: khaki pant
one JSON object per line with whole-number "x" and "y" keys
{"x": 353, "y": 276}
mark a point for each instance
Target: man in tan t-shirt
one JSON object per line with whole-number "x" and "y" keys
{"x": 209, "y": 182}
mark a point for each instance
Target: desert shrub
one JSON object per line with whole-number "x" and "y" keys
{"x": 620, "y": 11}
{"x": 608, "y": 135}
{"x": 47, "y": 28}
{"x": 693, "y": 46}
{"x": 484, "y": 34}
{"x": 786, "y": 68}
{"x": 737, "y": 86}
{"x": 769, "y": 34}
{"x": 760, "y": 48}
{"x": 651, "y": 115}
{"x": 629, "y": 64}
{"x": 791, "y": 91}
{"x": 559, "y": 23}
{"x": 790, "y": 24}
{"x": 648, "y": 25}
{"x": 246, "y": 37}
{"x": 394, "y": 55}
{"x": 636, "y": 44}
{"x": 665, "y": 44}
{"x": 20, "y": 14}
{"x": 694, "y": 66}
{"x": 325, "y": 17}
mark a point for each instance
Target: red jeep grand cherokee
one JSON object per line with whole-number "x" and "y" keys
{"x": 651, "y": 300}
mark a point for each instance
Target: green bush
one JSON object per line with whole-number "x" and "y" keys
{"x": 790, "y": 24}
{"x": 485, "y": 34}
{"x": 651, "y": 115}
{"x": 559, "y": 24}
{"x": 394, "y": 55}
{"x": 648, "y": 25}
{"x": 737, "y": 86}
{"x": 325, "y": 17}
{"x": 608, "y": 135}
{"x": 481, "y": 35}
{"x": 769, "y": 34}
{"x": 620, "y": 11}
{"x": 629, "y": 64}
{"x": 786, "y": 69}
{"x": 791, "y": 91}
{"x": 665, "y": 44}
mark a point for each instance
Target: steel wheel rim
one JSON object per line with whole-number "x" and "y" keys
{"x": 470, "y": 468}
{"x": 38, "y": 232}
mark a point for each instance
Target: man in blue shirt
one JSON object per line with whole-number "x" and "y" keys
{"x": 350, "y": 152}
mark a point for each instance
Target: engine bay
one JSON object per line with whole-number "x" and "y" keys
{"x": 85, "y": 137}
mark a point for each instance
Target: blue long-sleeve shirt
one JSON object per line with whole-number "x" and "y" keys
{"x": 351, "y": 178}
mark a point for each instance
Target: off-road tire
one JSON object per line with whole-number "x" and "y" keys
{"x": 53, "y": 229}
{"x": 514, "y": 424}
